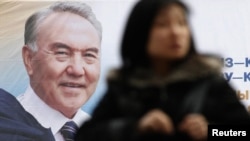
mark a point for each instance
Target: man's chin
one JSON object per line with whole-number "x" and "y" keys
{"x": 66, "y": 106}
{"x": 71, "y": 92}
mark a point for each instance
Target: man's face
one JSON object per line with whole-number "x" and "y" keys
{"x": 65, "y": 70}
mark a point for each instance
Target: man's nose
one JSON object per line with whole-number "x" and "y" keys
{"x": 76, "y": 66}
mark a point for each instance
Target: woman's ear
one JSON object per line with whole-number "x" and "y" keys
{"x": 27, "y": 59}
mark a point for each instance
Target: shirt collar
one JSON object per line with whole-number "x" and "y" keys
{"x": 45, "y": 115}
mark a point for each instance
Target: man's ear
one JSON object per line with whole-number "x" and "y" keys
{"x": 27, "y": 59}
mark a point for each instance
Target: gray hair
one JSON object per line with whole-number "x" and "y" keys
{"x": 78, "y": 8}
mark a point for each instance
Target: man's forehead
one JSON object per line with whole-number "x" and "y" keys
{"x": 56, "y": 17}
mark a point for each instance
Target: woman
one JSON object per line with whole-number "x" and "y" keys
{"x": 164, "y": 89}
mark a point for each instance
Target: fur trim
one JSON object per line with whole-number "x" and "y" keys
{"x": 195, "y": 68}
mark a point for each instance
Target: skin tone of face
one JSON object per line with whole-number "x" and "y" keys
{"x": 65, "y": 70}
{"x": 169, "y": 38}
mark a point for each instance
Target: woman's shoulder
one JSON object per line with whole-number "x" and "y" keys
{"x": 208, "y": 62}
{"x": 114, "y": 74}
{"x": 117, "y": 76}
{"x": 211, "y": 60}
{"x": 197, "y": 67}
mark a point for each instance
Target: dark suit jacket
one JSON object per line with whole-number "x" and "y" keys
{"x": 18, "y": 125}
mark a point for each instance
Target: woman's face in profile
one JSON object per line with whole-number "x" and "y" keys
{"x": 169, "y": 38}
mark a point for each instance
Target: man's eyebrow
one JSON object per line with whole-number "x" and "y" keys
{"x": 93, "y": 49}
{"x": 60, "y": 45}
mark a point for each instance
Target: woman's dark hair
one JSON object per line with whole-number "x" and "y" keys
{"x": 137, "y": 30}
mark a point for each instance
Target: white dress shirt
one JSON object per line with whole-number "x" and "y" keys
{"x": 47, "y": 116}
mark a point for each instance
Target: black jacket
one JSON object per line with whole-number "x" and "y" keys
{"x": 196, "y": 86}
{"x": 18, "y": 125}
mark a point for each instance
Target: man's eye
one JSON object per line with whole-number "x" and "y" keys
{"x": 89, "y": 55}
{"x": 61, "y": 53}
